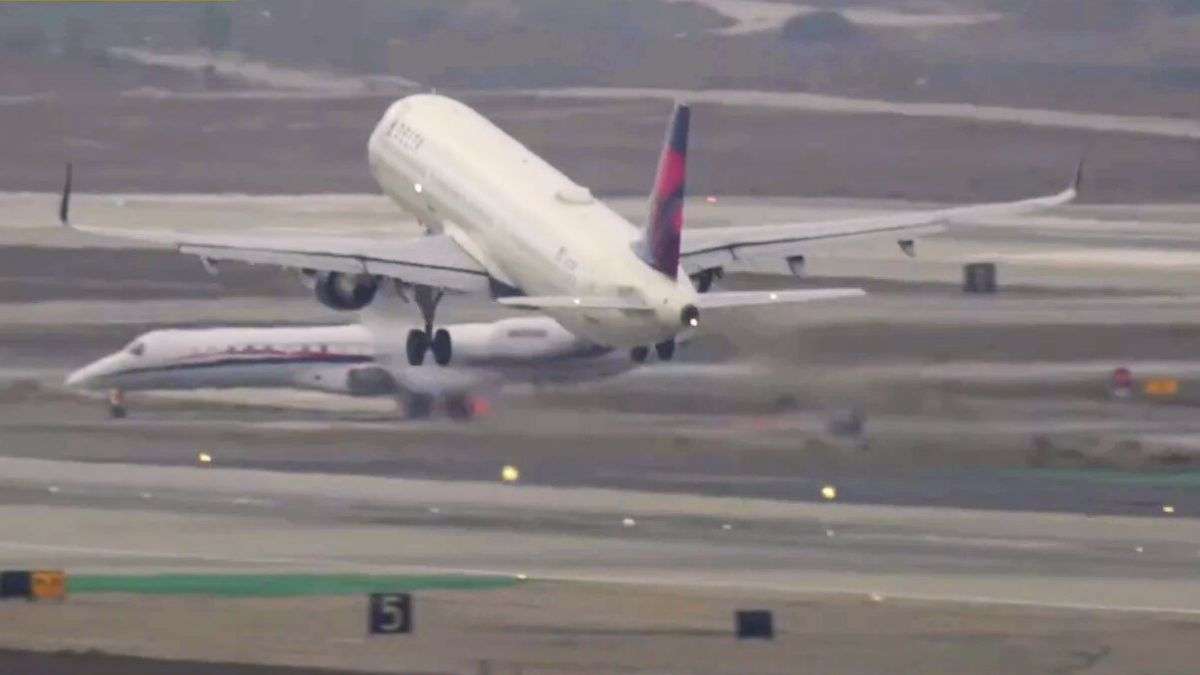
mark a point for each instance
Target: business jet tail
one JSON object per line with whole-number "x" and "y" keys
{"x": 661, "y": 240}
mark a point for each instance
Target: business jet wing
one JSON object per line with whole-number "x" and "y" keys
{"x": 712, "y": 248}
{"x": 435, "y": 260}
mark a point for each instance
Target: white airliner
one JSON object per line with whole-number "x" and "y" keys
{"x": 502, "y": 221}
{"x": 355, "y": 360}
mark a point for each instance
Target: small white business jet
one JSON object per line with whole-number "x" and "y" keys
{"x": 501, "y": 221}
{"x": 354, "y": 360}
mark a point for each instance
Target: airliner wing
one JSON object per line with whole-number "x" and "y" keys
{"x": 571, "y": 302}
{"x": 728, "y": 299}
{"x": 717, "y": 300}
{"x": 435, "y": 260}
{"x": 712, "y": 248}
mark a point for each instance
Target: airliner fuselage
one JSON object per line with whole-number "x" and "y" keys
{"x": 526, "y": 222}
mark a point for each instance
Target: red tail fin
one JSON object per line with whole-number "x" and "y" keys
{"x": 666, "y": 201}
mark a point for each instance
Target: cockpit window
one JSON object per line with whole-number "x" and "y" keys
{"x": 137, "y": 348}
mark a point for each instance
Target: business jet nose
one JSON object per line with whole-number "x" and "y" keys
{"x": 90, "y": 376}
{"x": 78, "y": 379}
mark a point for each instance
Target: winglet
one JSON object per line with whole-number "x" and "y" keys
{"x": 1078, "y": 174}
{"x": 64, "y": 207}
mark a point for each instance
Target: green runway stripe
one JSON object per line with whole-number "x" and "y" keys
{"x": 276, "y": 585}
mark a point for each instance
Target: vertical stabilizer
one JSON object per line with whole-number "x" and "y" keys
{"x": 661, "y": 244}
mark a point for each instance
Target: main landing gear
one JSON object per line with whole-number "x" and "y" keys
{"x": 664, "y": 349}
{"x": 421, "y": 341}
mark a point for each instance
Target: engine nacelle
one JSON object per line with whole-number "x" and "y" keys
{"x": 345, "y": 292}
{"x": 372, "y": 381}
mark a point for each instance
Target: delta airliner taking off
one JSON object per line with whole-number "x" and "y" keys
{"x": 501, "y": 221}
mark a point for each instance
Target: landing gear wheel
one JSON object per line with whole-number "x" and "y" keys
{"x": 665, "y": 349}
{"x": 418, "y": 406}
{"x": 460, "y": 408}
{"x": 441, "y": 347}
{"x": 116, "y": 404}
{"x": 639, "y": 354}
{"x": 418, "y": 344}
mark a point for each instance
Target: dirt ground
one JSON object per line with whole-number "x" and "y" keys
{"x": 288, "y": 145}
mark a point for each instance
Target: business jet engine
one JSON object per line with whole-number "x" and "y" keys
{"x": 346, "y": 292}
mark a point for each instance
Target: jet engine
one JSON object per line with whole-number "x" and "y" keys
{"x": 373, "y": 381}
{"x": 341, "y": 291}
{"x": 690, "y": 316}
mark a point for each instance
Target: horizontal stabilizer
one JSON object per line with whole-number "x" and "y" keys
{"x": 753, "y": 298}
{"x": 573, "y": 302}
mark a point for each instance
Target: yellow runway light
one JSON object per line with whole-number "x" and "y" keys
{"x": 1161, "y": 386}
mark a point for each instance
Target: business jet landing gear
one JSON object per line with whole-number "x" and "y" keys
{"x": 460, "y": 408}
{"x": 418, "y": 406}
{"x": 421, "y": 341}
{"x": 665, "y": 350}
{"x": 116, "y": 404}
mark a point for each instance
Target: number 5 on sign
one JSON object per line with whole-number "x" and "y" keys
{"x": 389, "y": 613}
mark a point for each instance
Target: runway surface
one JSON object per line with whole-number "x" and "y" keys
{"x": 196, "y": 518}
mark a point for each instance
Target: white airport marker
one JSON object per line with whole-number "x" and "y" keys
{"x": 204, "y": 458}
{"x": 1167, "y": 508}
{"x": 145, "y": 495}
{"x": 53, "y": 489}
{"x": 830, "y": 533}
{"x": 726, "y": 526}
{"x": 1140, "y": 549}
{"x": 629, "y": 522}
{"x": 434, "y": 510}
